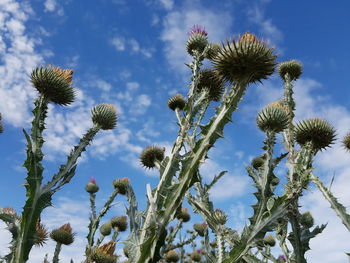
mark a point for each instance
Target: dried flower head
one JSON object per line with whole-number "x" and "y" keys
{"x": 292, "y": 67}
{"x": 177, "y": 102}
{"x": 150, "y": 155}
{"x": 121, "y": 185}
{"x": 120, "y": 222}
{"x": 346, "y": 142}
{"x": 248, "y": 59}
{"x": 200, "y": 228}
{"x": 105, "y": 116}
{"x": 54, "y": 84}
{"x": 196, "y": 256}
{"x": 183, "y": 215}
{"x": 41, "y": 235}
{"x": 273, "y": 118}
{"x": 210, "y": 79}
{"x": 105, "y": 253}
{"x": 63, "y": 235}
{"x": 317, "y": 131}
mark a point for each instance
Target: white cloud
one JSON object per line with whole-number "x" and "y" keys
{"x": 178, "y": 23}
{"x": 53, "y": 6}
{"x": 167, "y": 4}
{"x": 118, "y": 43}
{"x": 122, "y": 44}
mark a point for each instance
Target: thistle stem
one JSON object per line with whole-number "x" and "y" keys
{"x": 55, "y": 258}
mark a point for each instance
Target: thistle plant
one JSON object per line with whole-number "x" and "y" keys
{"x": 156, "y": 234}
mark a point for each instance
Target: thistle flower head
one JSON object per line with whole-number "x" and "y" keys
{"x": 172, "y": 256}
{"x": 105, "y": 253}
{"x": 247, "y": 59}
{"x": 121, "y": 185}
{"x": 211, "y": 80}
{"x": 41, "y": 235}
{"x": 120, "y": 222}
{"x": 150, "y": 155}
{"x": 220, "y": 217}
{"x": 54, "y": 84}
{"x": 9, "y": 211}
{"x": 196, "y": 256}
{"x": 200, "y": 228}
{"x": 177, "y": 102}
{"x": 183, "y": 215}
{"x": 105, "y": 116}
{"x": 258, "y": 162}
{"x": 270, "y": 240}
{"x": 197, "y": 40}
{"x": 281, "y": 259}
{"x": 197, "y": 29}
{"x": 273, "y": 118}
{"x": 317, "y": 131}
{"x": 63, "y": 235}
{"x": 91, "y": 186}
{"x": 292, "y": 67}
{"x": 212, "y": 50}
{"x": 346, "y": 142}
{"x": 307, "y": 220}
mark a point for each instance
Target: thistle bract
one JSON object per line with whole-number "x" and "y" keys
{"x": 177, "y": 102}
{"x": 197, "y": 40}
{"x": 105, "y": 116}
{"x": 121, "y": 185}
{"x": 200, "y": 228}
{"x": 150, "y": 155}
{"x": 92, "y": 187}
{"x": 212, "y": 51}
{"x": 63, "y": 235}
{"x": 247, "y": 59}
{"x": 106, "y": 229}
{"x": 211, "y": 80}
{"x": 273, "y": 118}
{"x": 105, "y": 253}
{"x": 54, "y": 84}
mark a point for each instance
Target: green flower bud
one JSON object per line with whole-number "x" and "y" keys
{"x": 248, "y": 59}
{"x": 63, "y": 235}
{"x": 307, "y": 220}
{"x": 54, "y": 84}
{"x": 197, "y": 40}
{"x": 220, "y": 217}
{"x": 270, "y": 240}
{"x": 273, "y": 118}
{"x": 196, "y": 256}
{"x": 319, "y": 132}
{"x": 120, "y": 222}
{"x": 92, "y": 187}
{"x": 200, "y": 228}
{"x": 209, "y": 79}
{"x": 172, "y": 256}
{"x": 106, "y": 229}
{"x": 258, "y": 162}
{"x": 292, "y": 67}
{"x": 121, "y": 185}
{"x": 105, "y": 116}
{"x": 150, "y": 155}
{"x": 177, "y": 102}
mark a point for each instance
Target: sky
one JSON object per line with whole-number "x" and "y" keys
{"x": 132, "y": 54}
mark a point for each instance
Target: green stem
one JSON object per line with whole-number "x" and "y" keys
{"x": 221, "y": 246}
{"x": 55, "y": 258}
{"x": 183, "y": 243}
{"x": 115, "y": 234}
{"x": 93, "y": 206}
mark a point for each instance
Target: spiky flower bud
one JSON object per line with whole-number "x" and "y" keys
{"x": 197, "y": 40}
{"x": 220, "y": 217}
{"x": 106, "y": 229}
{"x": 248, "y": 59}
{"x": 275, "y": 181}
{"x": 120, "y": 222}
{"x": 105, "y": 116}
{"x": 213, "y": 244}
{"x": 41, "y": 235}
{"x": 212, "y": 51}
{"x": 54, "y": 84}
{"x": 183, "y": 215}
{"x": 317, "y": 131}
{"x": 177, "y": 102}
{"x": 258, "y": 162}
{"x": 200, "y": 228}
{"x": 172, "y": 256}
{"x": 92, "y": 187}
{"x": 346, "y": 142}
{"x": 270, "y": 240}
{"x": 307, "y": 220}
{"x": 121, "y": 185}
{"x": 196, "y": 256}
{"x": 63, "y": 235}
{"x": 150, "y": 155}
{"x": 211, "y": 80}
{"x": 273, "y": 118}
{"x": 292, "y": 67}
{"x": 105, "y": 253}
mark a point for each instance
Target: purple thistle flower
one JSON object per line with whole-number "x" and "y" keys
{"x": 92, "y": 180}
{"x": 282, "y": 258}
{"x": 197, "y": 29}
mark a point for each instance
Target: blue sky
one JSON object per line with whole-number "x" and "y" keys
{"x": 131, "y": 54}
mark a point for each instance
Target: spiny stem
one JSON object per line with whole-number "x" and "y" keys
{"x": 55, "y": 258}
